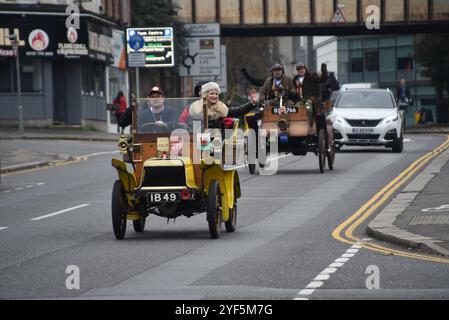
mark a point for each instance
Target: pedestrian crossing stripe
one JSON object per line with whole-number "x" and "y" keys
{"x": 338, "y": 17}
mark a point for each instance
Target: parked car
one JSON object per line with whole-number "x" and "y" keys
{"x": 367, "y": 117}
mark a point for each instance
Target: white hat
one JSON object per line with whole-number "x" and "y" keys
{"x": 208, "y": 87}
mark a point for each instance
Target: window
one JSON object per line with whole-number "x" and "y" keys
{"x": 6, "y": 72}
{"x": 405, "y": 64}
{"x": 30, "y": 75}
{"x": 357, "y": 65}
{"x": 372, "y": 60}
{"x": 93, "y": 78}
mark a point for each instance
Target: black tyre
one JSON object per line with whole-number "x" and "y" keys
{"x": 252, "y": 168}
{"x": 251, "y": 154}
{"x": 214, "y": 208}
{"x": 119, "y": 210}
{"x": 398, "y": 145}
{"x": 331, "y": 158}
{"x": 139, "y": 225}
{"x": 263, "y": 153}
{"x": 231, "y": 224}
{"x": 322, "y": 150}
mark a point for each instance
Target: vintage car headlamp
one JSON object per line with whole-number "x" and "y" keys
{"x": 308, "y": 105}
{"x": 283, "y": 124}
{"x": 123, "y": 144}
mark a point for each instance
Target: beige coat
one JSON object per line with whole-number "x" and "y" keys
{"x": 216, "y": 111}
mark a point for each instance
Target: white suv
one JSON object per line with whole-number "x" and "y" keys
{"x": 367, "y": 117}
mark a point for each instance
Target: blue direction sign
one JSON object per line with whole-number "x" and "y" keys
{"x": 150, "y": 47}
{"x": 136, "y": 41}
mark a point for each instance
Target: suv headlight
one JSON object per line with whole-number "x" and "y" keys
{"x": 340, "y": 120}
{"x": 391, "y": 119}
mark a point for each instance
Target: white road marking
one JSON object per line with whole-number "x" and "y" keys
{"x": 100, "y": 153}
{"x": 268, "y": 161}
{"x": 307, "y": 292}
{"x": 409, "y": 140}
{"x": 59, "y": 212}
{"x": 3, "y": 228}
{"x": 324, "y": 275}
{"x": 336, "y": 265}
{"x": 314, "y": 285}
{"x": 329, "y": 271}
{"x": 23, "y": 188}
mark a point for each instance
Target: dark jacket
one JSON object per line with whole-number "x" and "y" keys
{"x": 126, "y": 118}
{"x": 269, "y": 88}
{"x": 329, "y": 86}
{"x": 168, "y": 116}
{"x": 233, "y": 112}
{"x": 254, "y": 81}
{"x": 407, "y": 95}
{"x": 311, "y": 84}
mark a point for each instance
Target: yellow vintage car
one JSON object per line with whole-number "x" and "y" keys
{"x": 172, "y": 168}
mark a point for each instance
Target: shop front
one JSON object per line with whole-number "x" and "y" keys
{"x": 62, "y": 70}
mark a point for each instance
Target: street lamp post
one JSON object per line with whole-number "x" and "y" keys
{"x": 15, "y": 45}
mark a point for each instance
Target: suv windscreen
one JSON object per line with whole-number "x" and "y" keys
{"x": 365, "y": 99}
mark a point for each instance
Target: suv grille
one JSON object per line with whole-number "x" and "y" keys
{"x": 363, "y": 123}
{"x": 164, "y": 177}
{"x": 363, "y": 136}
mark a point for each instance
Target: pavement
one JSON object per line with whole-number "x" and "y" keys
{"x": 418, "y": 217}
{"x": 65, "y": 133}
{"x": 17, "y": 159}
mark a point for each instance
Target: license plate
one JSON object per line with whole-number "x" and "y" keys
{"x": 163, "y": 197}
{"x": 275, "y": 110}
{"x": 283, "y": 138}
{"x": 362, "y": 130}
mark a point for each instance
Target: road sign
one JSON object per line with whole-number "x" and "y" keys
{"x": 338, "y": 17}
{"x": 202, "y": 57}
{"x": 155, "y": 45}
{"x": 221, "y": 79}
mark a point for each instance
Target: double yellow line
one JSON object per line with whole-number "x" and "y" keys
{"x": 345, "y": 231}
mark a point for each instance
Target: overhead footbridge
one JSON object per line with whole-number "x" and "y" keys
{"x": 249, "y": 18}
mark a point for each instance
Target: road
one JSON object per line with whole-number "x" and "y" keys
{"x": 283, "y": 249}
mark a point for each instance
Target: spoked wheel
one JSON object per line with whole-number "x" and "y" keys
{"x": 139, "y": 225}
{"x": 119, "y": 213}
{"x": 322, "y": 150}
{"x": 231, "y": 224}
{"x": 214, "y": 208}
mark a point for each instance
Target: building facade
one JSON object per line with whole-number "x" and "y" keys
{"x": 383, "y": 60}
{"x": 68, "y": 74}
